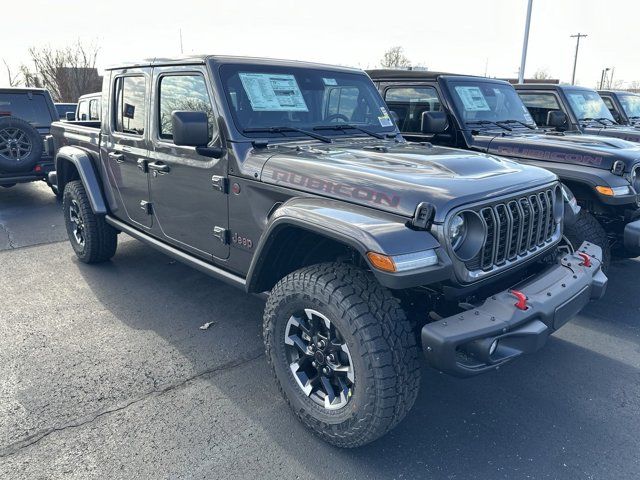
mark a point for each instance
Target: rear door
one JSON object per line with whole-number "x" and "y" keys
{"x": 188, "y": 190}
{"x": 127, "y": 144}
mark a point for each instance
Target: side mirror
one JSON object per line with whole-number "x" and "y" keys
{"x": 395, "y": 116}
{"x": 71, "y": 116}
{"x": 433, "y": 122}
{"x": 557, "y": 119}
{"x": 190, "y": 129}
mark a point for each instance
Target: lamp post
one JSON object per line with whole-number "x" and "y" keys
{"x": 525, "y": 43}
{"x": 575, "y": 59}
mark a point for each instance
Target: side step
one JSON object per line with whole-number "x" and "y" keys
{"x": 179, "y": 255}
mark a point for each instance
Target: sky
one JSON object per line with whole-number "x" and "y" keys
{"x": 461, "y": 36}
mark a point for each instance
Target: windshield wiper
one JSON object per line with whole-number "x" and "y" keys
{"x": 600, "y": 120}
{"x": 347, "y": 126}
{"x": 531, "y": 127}
{"x": 489, "y": 122}
{"x": 322, "y": 138}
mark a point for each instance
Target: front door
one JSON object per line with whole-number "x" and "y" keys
{"x": 127, "y": 145}
{"x": 188, "y": 190}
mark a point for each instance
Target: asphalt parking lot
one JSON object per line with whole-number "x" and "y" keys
{"x": 106, "y": 373}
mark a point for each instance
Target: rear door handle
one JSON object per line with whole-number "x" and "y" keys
{"x": 159, "y": 167}
{"x": 118, "y": 157}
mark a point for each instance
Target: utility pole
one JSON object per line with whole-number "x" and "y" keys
{"x": 602, "y": 77}
{"x": 575, "y": 60}
{"x": 525, "y": 43}
{"x": 181, "y": 49}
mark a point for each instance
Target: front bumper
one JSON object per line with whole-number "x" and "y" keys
{"x": 461, "y": 345}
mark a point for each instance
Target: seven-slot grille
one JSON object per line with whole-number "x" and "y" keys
{"x": 515, "y": 228}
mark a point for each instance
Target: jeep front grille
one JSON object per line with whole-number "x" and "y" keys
{"x": 515, "y": 228}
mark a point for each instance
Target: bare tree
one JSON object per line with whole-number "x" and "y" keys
{"x": 542, "y": 74}
{"x": 395, "y": 58}
{"x": 634, "y": 86}
{"x": 66, "y": 72}
{"x": 14, "y": 80}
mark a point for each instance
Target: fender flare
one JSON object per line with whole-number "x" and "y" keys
{"x": 83, "y": 163}
{"x": 361, "y": 228}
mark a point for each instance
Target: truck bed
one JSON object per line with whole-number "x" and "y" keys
{"x": 84, "y": 134}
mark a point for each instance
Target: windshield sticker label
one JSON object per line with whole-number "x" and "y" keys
{"x": 330, "y": 81}
{"x": 472, "y": 99}
{"x": 272, "y": 92}
{"x": 385, "y": 119}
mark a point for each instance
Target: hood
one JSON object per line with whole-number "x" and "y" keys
{"x": 396, "y": 177}
{"x": 628, "y": 133}
{"x": 587, "y": 150}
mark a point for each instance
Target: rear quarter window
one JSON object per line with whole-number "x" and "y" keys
{"x": 32, "y": 108}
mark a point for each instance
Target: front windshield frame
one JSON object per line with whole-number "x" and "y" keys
{"x": 312, "y": 109}
{"x": 631, "y": 111}
{"x": 594, "y": 98}
{"x": 515, "y": 112}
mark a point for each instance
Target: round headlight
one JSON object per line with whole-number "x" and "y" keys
{"x": 457, "y": 231}
{"x": 466, "y": 235}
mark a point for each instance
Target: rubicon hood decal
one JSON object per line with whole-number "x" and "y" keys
{"x": 396, "y": 177}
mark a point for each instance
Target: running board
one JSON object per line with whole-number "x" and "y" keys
{"x": 179, "y": 255}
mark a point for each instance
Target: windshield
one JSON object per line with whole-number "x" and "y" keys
{"x": 487, "y": 102}
{"x": 631, "y": 104}
{"x": 588, "y": 105}
{"x": 32, "y": 108}
{"x": 263, "y": 97}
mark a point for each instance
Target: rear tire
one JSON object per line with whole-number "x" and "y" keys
{"x": 91, "y": 237}
{"x": 587, "y": 228}
{"x": 376, "y": 343}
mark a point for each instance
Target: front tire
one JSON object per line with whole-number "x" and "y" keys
{"x": 587, "y": 228}
{"x": 342, "y": 351}
{"x": 91, "y": 237}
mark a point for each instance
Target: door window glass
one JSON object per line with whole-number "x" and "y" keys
{"x": 409, "y": 103}
{"x": 94, "y": 110}
{"x": 130, "y": 105}
{"x": 539, "y": 106}
{"x": 183, "y": 93}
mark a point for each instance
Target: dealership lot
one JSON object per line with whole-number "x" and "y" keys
{"x": 109, "y": 373}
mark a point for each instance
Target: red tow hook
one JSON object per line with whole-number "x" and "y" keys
{"x": 586, "y": 259}
{"x": 521, "y": 304}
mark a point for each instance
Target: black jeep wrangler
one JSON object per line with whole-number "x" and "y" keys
{"x": 623, "y": 106}
{"x": 290, "y": 180}
{"x": 487, "y": 115}
{"x": 25, "y": 119}
{"x": 568, "y": 108}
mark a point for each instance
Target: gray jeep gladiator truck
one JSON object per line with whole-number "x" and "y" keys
{"x": 291, "y": 181}
{"x": 623, "y": 106}
{"x": 573, "y": 109}
{"x": 487, "y": 115}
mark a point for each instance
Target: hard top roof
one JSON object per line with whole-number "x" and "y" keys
{"x": 417, "y": 75}
{"x": 549, "y": 86}
{"x": 222, "y": 59}
{"x": 21, "y": 90}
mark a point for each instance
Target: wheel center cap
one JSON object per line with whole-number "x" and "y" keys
{"x": 320, "y": 358}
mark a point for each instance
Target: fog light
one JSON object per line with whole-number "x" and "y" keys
{"x": 493, "y": 347}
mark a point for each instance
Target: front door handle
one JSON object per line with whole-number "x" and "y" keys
{"x": 159, "y": 167}
{"x": 118, "y": 157}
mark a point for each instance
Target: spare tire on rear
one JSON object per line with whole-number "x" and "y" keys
{"x": 20, "y": 145}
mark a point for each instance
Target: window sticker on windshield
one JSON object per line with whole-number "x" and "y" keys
{"x": 527, "y": 115}
{"x": 272, "y": 92}
{"x": 329, "y": 81}
{"x": 385, "y": 119}
{"x": 472, "y": 99}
